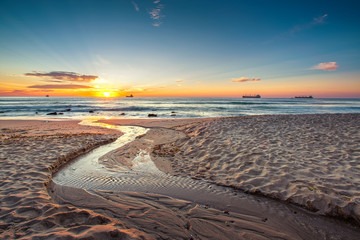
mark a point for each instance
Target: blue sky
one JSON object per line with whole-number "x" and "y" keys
{"x": 182, "y": 47}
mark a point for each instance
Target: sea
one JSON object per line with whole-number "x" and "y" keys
{"x": 141, "y": 107}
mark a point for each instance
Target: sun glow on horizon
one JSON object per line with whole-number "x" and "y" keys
{"x": 107, "y": 93}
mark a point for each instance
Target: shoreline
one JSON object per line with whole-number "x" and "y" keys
{"x": 152, "y": 124}
{"x": 186, "y": 108}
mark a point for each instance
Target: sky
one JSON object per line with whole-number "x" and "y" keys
{"x": 180, "y": 48}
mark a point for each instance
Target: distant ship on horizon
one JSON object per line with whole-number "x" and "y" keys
{"x": 130, "y": 95}
{"x": 304, "y": 96}
{"x": 251, "y": 96}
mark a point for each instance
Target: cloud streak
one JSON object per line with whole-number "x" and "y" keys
{"x": 319, "y": 20}
{"x": 32, "y": 92}
{"x": 135, "y": 6}
{"x": 314, "y": 22}
{"x": 155, "y": 13}
{"x": 326, "y": 66}
{"x": 59, "y": 86}
{"x": 299, "y": 28}
{"x": 64, "y": 76}
{"x": 244, "y": 79}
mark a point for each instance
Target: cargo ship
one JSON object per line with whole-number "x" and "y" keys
{"x": 303, "y": 96}
{"x": 251, "y": 96}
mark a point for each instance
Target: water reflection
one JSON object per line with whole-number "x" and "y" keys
{"x": 88, "y": 165}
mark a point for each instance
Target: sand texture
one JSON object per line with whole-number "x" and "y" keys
{"x": 162, "y": 217}
{"x": 34, "y": 207}
{"x": 206, "y": 211}
{"x": 310, "y": 160}
{"x": 30, "y": 151}
{"x": 156, "y": 123}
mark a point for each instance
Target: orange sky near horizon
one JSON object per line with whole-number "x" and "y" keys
{"x": 74, "y": 85}
{"x": 198, "y": 89}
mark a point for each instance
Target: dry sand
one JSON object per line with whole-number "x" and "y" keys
{"x": 310, "y": 160}
{"x": 33, "y": 207}
{"x": 32, "y": 150}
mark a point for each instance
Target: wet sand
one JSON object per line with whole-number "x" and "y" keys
{"x": 31, "y": 153}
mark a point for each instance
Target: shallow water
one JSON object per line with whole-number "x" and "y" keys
{"x": 86, "y": 172}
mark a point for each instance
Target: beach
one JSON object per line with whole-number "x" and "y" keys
{"x": 277, "y": 177}
{"x": 197, "y": 120}
{"x": 308, "y": 160}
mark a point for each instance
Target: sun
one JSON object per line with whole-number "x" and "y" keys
{"x": 106, "y": 94}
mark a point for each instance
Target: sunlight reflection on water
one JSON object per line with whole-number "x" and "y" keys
{"x": 88, "y": 164}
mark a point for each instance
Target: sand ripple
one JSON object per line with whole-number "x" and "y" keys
{"x": 309, "y": 160}
{"x": 29, "y": 153}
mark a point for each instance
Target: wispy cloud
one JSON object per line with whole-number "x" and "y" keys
{"x": 179, "y": 80}
{"x": 299, "y": 28}
{"x": 54, "y": 81}
{"x": 31, "y": 92}
{"x": 244, "y": 79}
{"x": 320, "y": 19}
{"x": 59, "y": 86}
{"x": 326, "y": 66}
{"x": 155, "y": 13}
{"x": 64, "y": 76}
{"x": 314, "y": 22}
{"x": 135, "y": 6}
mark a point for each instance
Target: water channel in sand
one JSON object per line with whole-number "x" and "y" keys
{"x": 87, "y": 173}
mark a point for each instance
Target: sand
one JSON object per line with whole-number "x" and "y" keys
{"x": 34, "y": 207}
{"x": 309, "y": 160}
{"x": 30, "y": 152}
